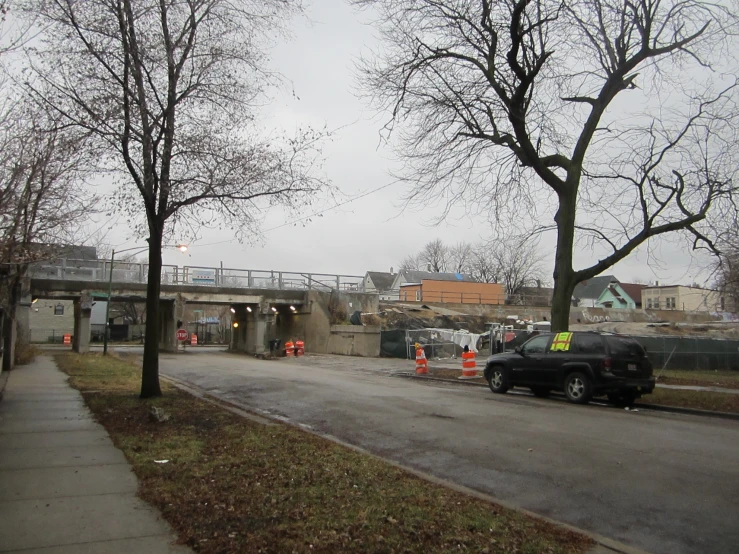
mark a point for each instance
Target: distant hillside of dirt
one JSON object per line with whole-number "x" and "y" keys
{"x": 718, "y": 330}
{"x": 395, "y": 315}
{"x": 403, "y": 317}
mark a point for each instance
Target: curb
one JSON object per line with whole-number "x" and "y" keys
{"x": 688, "y": 411}
{"x": 653, "y": 407}
{"x": 603, "y": 545}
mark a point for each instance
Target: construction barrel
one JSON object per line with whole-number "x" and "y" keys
{"x": 469, "y": 365}
{"x": 422, "y": 365}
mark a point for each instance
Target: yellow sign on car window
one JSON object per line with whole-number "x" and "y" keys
{"x": 561, "y": 342}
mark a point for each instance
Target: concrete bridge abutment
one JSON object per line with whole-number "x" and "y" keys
{"x": 82, "y": 327}
{"x": 171, "y": 312}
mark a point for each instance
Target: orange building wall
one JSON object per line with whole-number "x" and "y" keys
{"x": 455, "y": 292}
{"x": 408, "y": 293}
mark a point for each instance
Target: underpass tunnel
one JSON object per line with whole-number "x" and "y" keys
{"x": 287, "y": 323}
{"x": 257, "y": 327}
{"x": 243, "y": 327}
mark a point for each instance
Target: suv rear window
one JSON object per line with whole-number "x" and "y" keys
{"x": 624, "y": 346}
{"x": 589, "y": 344}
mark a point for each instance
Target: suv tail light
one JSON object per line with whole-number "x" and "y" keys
{"x": 607, "y": 363}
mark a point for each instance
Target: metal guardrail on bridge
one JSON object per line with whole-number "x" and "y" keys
{"x": 128, "y": 272}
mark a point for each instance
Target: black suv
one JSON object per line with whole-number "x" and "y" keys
{"x": 582, "y": 364}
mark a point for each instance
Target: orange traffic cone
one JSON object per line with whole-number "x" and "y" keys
{"x": 422, "y": 365}
{"x": 469, "y": 365}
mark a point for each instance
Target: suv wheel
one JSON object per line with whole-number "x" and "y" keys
{"x": 498, "y": 381}
{"x": 578, "y": 388}
{"x": 541, "y": 392}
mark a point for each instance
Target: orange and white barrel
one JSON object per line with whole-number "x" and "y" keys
{"x": 422, "y": 365}
{"x": 67, "y": 339}
{"x": 469, "y": 365}
{"x": 194, "y": 339}
{"x": 299, "y": 348}
{"x": 289, "y": 349}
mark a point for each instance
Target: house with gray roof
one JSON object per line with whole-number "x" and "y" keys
{"x": 380, "y": 283}
{"x": 587, "y": 293}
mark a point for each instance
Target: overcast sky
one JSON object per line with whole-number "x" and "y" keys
{"x": 372, "y": 232}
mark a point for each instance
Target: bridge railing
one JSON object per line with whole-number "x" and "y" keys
{"x": 130, "y": 272}
{"x": 94, "y": 270}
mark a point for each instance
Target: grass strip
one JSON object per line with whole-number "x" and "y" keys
{"x": 723, "y": 379}
{"x": 697, "y": 400}
{"x": 233, "y": 485}
{"x": 446, "y": 373}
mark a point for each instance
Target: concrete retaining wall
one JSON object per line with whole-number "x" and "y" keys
{"x": 354, "y": 340}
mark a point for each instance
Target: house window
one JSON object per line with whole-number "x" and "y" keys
{"x": 656, "y": 303}
{"x": 670, "y": 303}
{"x": 59, "y": 309}
{"x": 723, "y": 304}
{"x": 649, "y": 303}
{"x": 418, "y": 296}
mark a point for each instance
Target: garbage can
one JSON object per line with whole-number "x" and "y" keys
{"x": 274, "y": 346}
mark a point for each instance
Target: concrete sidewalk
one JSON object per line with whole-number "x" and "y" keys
{"x": 64, "y": 487}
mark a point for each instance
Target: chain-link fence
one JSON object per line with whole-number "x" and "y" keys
{"x": 691, "y": 353}
{"x": 687, "y": 353}
{"x": 438, "y": 343}
{"x": 50, "y": 335}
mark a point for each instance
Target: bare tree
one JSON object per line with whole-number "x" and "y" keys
{"x": 459, "y": 257}
{"x": 169, "y": 88}
{"x": 411, "y": 263}
{"x": 434, "y": 257}
{"x": 483, "y": 266}
{"x": 727, "y": 268}
{"x": 437, "y": 257}
{"x": 618, "y": 114}
{"x": 42, "y": 200}
{"x": 518, "y": 264}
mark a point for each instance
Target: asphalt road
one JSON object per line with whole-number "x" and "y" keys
{"x": 666, "y": 483}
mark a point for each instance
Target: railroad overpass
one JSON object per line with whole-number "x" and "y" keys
{"x": 267, "y": 305}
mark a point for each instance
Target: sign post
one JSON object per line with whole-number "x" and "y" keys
{"x": 182, "y": 336}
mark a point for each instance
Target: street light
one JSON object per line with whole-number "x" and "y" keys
{"x": 180, "y": 247}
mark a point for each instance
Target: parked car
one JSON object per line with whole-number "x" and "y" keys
{"x": 582, "y": 364}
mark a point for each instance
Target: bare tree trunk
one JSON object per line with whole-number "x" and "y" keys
{"x": 9, "y": 326}
{"x": 150, "y": 371}
{"x": 564, "y": 275}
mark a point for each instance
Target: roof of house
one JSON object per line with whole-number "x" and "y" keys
{"x": 382, "y": 281}
{"x": 616, "y": 294}
{"x": 675, "y": 286}
{"x": 61, "y": 251}
{"x": 77, "y": 252}
{"x": 633, "y": 290}
{"x": 418, "y": 276}
{"x": 593, "y": 288}
{"x": 536, "y": 291}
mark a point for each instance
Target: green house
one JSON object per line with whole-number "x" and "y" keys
{"x": 620, "y": 296}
